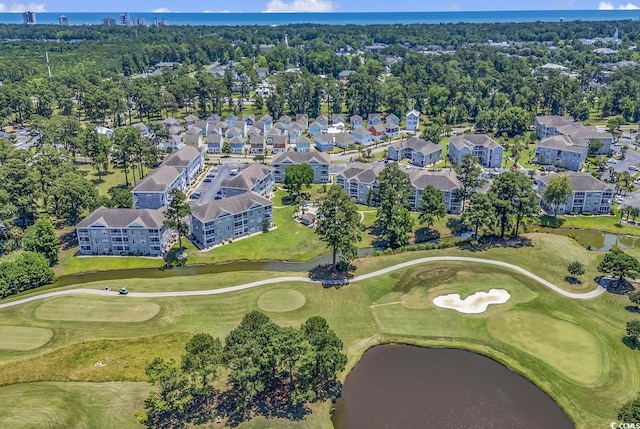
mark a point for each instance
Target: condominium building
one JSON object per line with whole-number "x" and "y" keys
{"x": 230, "y": 218}
{"x": 589, "y": 194}
{"x": 487, "y": 151}
{"x": 420, "y": 152}
{"x": 560, "y": 151}
{"x": 256, "y": 178}
{"x": 123, "y": 232}
{"x": 319, "y": 162}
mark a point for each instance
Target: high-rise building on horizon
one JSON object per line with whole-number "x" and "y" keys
{"x": 125, "y": 19}
{"x": 108, "y": 21}
{"x": 63, "y": 20}
{"x": 29, "y": 17}
{"x": 141, "y": 22}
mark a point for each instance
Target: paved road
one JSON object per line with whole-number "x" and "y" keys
{"x": 581, "y": 296}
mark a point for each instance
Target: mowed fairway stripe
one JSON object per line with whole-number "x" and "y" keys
{"x": 582, "y": 296}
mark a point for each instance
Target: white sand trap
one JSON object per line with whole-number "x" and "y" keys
{"x": 473, "y": 304}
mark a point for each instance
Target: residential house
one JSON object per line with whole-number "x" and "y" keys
{"x": 203, "y": 126}
{"x": 254, "y": 131}
{"x": 219, "y": 128}
{"x": 356, "y": 121}
{"x": 344, "y": 75}
{"x": 214, "y": 118}
{"x": 268, "y": 121}
{"x": 445, "y": 181}
{"x": 232, "y": 119}
{"x": 325, "y": 142}
{"x": 190, "y": 120}
{"x": 279, "y": 144}
{"x": 294, "y": 132}
{"x": 249, "y": 120}
{"x": 374, "y": 119}
{"x": 393, "y": 119}
{"x": 262, "y": 72}
{"x": 286, "y": 120}
{"x": 303, "y": 121}
{"x": 123, "y": 232}
{"x": 234, "y": 132}
{"x": 152, "y": 192}
{"x": 103, "y": 131}
{"x": 315, "y": 129}
{"x": 319, "y": 162}
{"x": 324, "y": 122}
{"x": 412, "y": 120}
{"x": 215, "y": 142}
{"x": 420, "y": 152}
{"x": 242, "y": 126}
{"x": 257, "y": 145}
{"x": 230, "y": 218}
{"x": 303, "y": 144}
{"x": 487, "y": 151}
{"x": 359, "y": 179}
{"x": 391, "y": 130}
{"x": 343, "y": 140}
{"x": 560, "y": 151}
{"x": 589, "y": 194}
{"x": 171, "y": 122}
{"x": 193, "y": 137}
{"x": 337, "y": 118}
{"x": 377, "y": 131}
{"x": 144, "y": 130}
{"x": 237, "y": 145}
{"x": 259, "y": 125}
{"x": 281, "y": 128}
{"x": 272, "y": 134}
{"x": 256, "y": 178}
{"x": 362, "y": 136}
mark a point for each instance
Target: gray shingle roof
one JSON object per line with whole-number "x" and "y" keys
{"x": 232, "y": 205}
{"x": 182, "y": 157}
{"x": 122, "y": 218}
{"x": 471, "y": 140}
{"x": 580, "y": 181}
{"x": 301, "y": 157}
{"x": 442, "y": 180}
{"x": 363, "y": 173}
{"x": 554, "y": 120}
{"x": 417, "y": 145}
{"x": 158, "y": 179}
{"x": 561, "y": 143}
{"x": 248, "y": 177}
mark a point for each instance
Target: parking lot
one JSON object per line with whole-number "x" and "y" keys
{"x": 211, "y": 184}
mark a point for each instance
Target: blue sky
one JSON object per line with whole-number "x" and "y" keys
{"x": 306, "y": 5}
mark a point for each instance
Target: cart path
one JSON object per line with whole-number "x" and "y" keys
{"x": 581, "y": 296}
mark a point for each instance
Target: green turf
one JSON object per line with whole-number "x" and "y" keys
{"x": 71, "y": 405}
{"x": 360, "y": 319}
{"x": 281, "y": 300}
{"x": 108, "y": 309}
{"x": 23, "y": 338}
{"x": 565, "y": 346}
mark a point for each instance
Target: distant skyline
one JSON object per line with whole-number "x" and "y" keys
{"x": 167, "y": 6}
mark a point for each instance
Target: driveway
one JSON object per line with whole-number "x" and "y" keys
{"x": 208, "y": 190}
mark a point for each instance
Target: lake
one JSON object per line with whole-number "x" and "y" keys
{"x": 398, "y": 386}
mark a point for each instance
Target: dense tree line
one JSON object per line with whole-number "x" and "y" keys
{"x": 272, "y": 371}
{"x": 22, "y": 271}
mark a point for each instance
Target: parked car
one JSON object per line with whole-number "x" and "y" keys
{"x": 195, "y": 195}
{"x": 634, "y": 168}
{"x": 234, "y": 171}
{"x": 123, "y": 291}
{"x": 207, "y": 180}
{"x": 214, "y": 169}
{"x": 612, "y": 161}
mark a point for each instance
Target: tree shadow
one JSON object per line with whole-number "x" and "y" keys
{"x": 68, "y": 240}
{"x": 572, "y": 280}
{"x": 631, "y": 343}
{"x": 426, "y": 234}
{"x": 615, "y": 286}
{"x": 487, "y": 242}
{"x": 551, "y": 222}
{"x": 632, "y": 309}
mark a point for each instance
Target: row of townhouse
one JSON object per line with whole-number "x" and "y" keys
{"x": 360, "y": 179}
{"x": 564, "y": 142}
{"x": 178, "y": 170}
{"x": 589, "y": 194}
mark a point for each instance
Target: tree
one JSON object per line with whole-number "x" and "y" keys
{"x": 513, "y": 195}
{"x": 338, "y": 223}
{"x": 23, "y": 270}
{"x": 432, "y": 206}
{"x": 575, "y": 269}
{"x": 72, "y": 194}
{"x": 469, "y": 174}
{"x": 296, "y": 176}
{"x": 125, "y": 142}
{"x": 41, "y": 237}
{"x": 634, "y": 297}
{"x": 327, "y": 348}
{"x": 226, "y": 149}
{"x": 201, "y": 361}
{"x": 120, "y": 197}
{"x": 178, "y": 209}
{"x": 630, "y": 411}
{"x": 171, "y": 396}
{"x": 595, "y": 146}
{"x": 480, "y": 212}
{"x": 393, "y": 220}
{"x": 618, "y": 264}
{"x": 633, "y": 331}
{"x": 557, "y": 192}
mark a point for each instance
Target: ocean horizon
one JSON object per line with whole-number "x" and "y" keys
{"x": 333, "y": 18}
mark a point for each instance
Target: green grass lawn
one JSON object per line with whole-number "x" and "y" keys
{"x": 572, "y": 349}
{"x": 104, "y": 182}
{"x": 606, "y": 223}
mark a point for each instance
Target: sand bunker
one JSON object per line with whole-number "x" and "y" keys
{"x": 473, "y": 304}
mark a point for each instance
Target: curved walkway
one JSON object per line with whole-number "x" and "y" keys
{"x": 581, "y": 296}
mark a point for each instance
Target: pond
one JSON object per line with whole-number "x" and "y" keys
{"x": 397, "y": 386}
{"x": 194, "y": 270}
{"x": 596, "y": 240}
